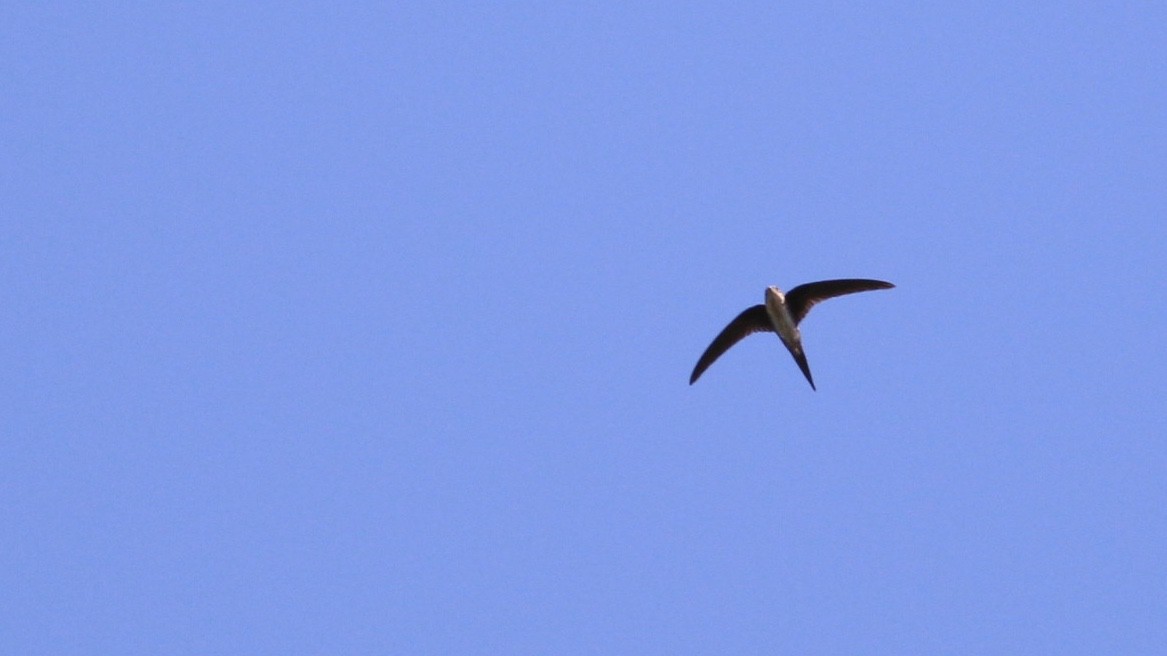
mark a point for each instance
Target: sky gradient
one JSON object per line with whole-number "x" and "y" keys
{"x": 367, "y": 329}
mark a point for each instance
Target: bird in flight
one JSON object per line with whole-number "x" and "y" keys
{"x": 781, "y": 313}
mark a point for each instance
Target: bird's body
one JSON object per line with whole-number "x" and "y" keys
{"x": 781, "y": 313}
{"x": 784, "y": 323}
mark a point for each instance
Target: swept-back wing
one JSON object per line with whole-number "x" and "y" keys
{"x": 803, "y": 297}
{"x": 750, "y": 321}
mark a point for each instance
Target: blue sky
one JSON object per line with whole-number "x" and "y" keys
{"x": 367, "y": 329}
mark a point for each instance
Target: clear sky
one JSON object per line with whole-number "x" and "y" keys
{"x": 346, "y": 329}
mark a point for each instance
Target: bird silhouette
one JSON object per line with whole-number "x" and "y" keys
{"x": 781, "y": 313}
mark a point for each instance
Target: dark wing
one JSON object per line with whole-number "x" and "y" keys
{"x": 803, "y": 297}
{"x": 747, "y": 323}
